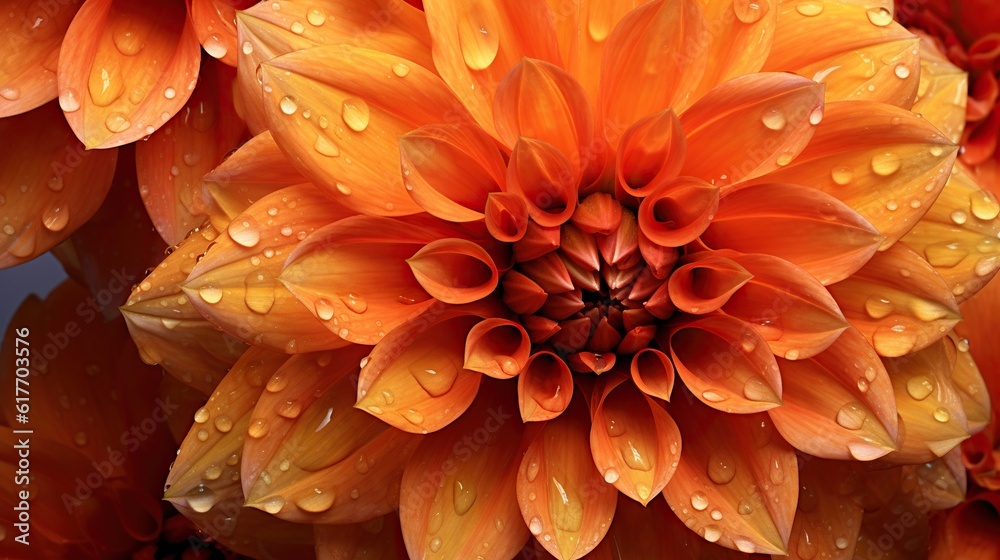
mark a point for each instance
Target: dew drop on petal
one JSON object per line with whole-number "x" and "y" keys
{"x": 851, "y": 416}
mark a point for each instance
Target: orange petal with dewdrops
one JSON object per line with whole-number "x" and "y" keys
{"x": 414, "y": 379}
{"x": 828, "y": 519}
{"x": 641, "y": 73}
{"x": 887, "y": 72}
{"x": 561, "y": 493}
{"x": 28, "y": 70}
{"x": 264, "y": 33}
{"x": 497, "y": 347}
{"x": 932, "y": 419}
{"x": 651, "y": 153}
{"x": 969, "y": 383}
{"x": 214, "y": 23}
{"x": 135, "y": 67}
{"x": 477, "y": 43}
{"x": 634, "y": 442}
{"x": 544, "y": 387}
{"x": 678, "y": 212}
{"x": 236, "y": 286}
{"x": 741, "y": 496}
{"x": 171, "y": 162}
{"x": 454, "y": 270}
{"x": 375, "y": 539}
{"x": 838, "y": 404}
{"x": 958, "y": 235}
{"x": 902, "y": 523}
{"x": 705, "y": 284}
{"x": 247, "y": 531}
{"x": 49, "y": 184}
{"x": 725, "y": 363}
{"x": 469, "y": 507}
{"x": 942, "y": 92}
{"x": 891, "y": 175}
{"x": 777, "y": 112}
{"x": 506, "y": 217}
{"x": 833, "y": 240}
{"x": 943, "y": 481}
{"x": 653, "y": 373}
{"x": 310, "y": 457}
{"x": 737, "y": 45}
{"x": 337, "y": 118}
{"x": 207, "y": 468}
{"x": 450, "y": 170}
{"x": 898, "y": 302}
{"x": 792, "y": 311}
{"x": 544, "y": 178}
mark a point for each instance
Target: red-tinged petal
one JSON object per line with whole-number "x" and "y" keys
{"x": 544, "y": 388}
{"x": 236, "y": 286}
{"x": 450, "y": 170}
{"x": 792, "y": 311}
{"x": 634, "y": 442}
{"x": 497, "y": 347}
{"x": 942, "y": 92}
{"x": 454, "y": 270}
{"x": 828, "y": 520}
{"x": 660, "y": 260}
{"x": 970, "y": 385}
{"x": 898, "y": 312}
{"x": 264, "y": 33}
{"x": 506, "y": 217}
{"x": 753, "y": 482}
{"x": 738, "y": 45}
{"x": 310, "y": 456}
{"x": 969, "y": 531}
{"x": 652, "y": 152}
{"x": 549, "y": 272}
{"x": 376, "y": 539}
{"x": 522, "y": 294}
{"x": 543, "y": 176}
{"x": 705, "y": 285}
{"x": 537, "y": 241}
{"x": 930, "y": 410}
{"x": 887, "y": 72}
{"x": 678, "y": 212}
{"x": 365, "y": 108}
{"x": 214, "y": 23}
{"x": 902, "y": 522}
{"x": 250, "y": 532}
{"x": 775, "y": 113}
{"x": 477, "y": 43}
{"x": 34, "y": 33}
{"x": 832, "y": 241}
{"x": 133, "y": 67}
{"x": 458, "y": 497}
{"x": 726, "y": 364}
{"x": 891, "y": 175}
{"x": 653, "y": 373}
{"x": 943, "y": 481}
{"x": 414, "y": 379}
{"x": 839, "y": 404}
{"x": 958, "y": 235}
{"x": 171, "y": 162}
{"x": 561, "y": 493}
{"x": 598, "y": 213}
{"x": 648, "y": 64}
{"x": 49, "y": 184}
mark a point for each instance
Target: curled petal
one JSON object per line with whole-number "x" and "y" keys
{"x": 634, "y": 441}
{"x": 653, "y": 373}
{"x": 214, "y": 23}
{"x": 970, "y": 385}
{"x": 776, "y": 112}
{"x": 375, "y": 539}
{"x": 454, "y": 270}
{"x": 705, "y": 285}
{"x": 135, "y": 63}
{"x": 544, "y": 388}
{"x": 968, "y": 530}
{"x": 522, "y": 294}
{"x": 726, "y": 364}
{"x": 839, "y": 404}
{"x": 898, "y": 313}
{"x": 678, "y": 212}
{"x": 414, "y": 379}
{"x": 543, "y": 177}
{"x": 506, "y": 217}
{"x": 560, "y": 491}
{"x": 652, "y": 152}
{"x": 497, "y": 347}
{"x": 450, "y": 170}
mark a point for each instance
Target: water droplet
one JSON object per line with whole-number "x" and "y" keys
{"x": 611, "y": 475}
{"x": 223, "y": 424}
{"x": 325, "y": 147}
{"x": 774, "y": 119}
{"x": 355, "y": 303}
{"x": 259, "y": 293}
{"x": 902, "y": 72}
{"x": 55, "y": 218}
{"x": 886, "y": 163}
{"x": 744, "y": 544}
{"x": 699, "y": 501}
{"x": 202, "y": 435}
{"x": 852, "y": 416}
{"x": 805, "y": 548}
{"x": 535, "y": 526}
{"x": 756, "y": 389}
{"x": 959, "y": 217}
{"x": 324, "y": 309}
{"x": 316, "y": 17}
{"x": 169, "y": 93}
{"x": 203, "y": 500}
{"x": 879, "y": 307}
{"x": 297, "y": 28}
{"x": 716, "y": 515}
{"x": 289, "y": 409}
{"x": 356, "y": 114}
{"x": 721, "y": 467}
{"x": 277, "y": 382}
{"x": 945, "y": 255}
{"x": 750, "y": 11}
{"x": 842, "y": 175}
{"x": 117, "y": 122}
{"x": 244, "y": 231}
{"x": 274, "y": 504}
{"x": 478, "y": 36}
{"x": 69, "y": 100}
{"x": 316, "y": 501}
{"x": 287, "y": 105}
{"x": 941, "y": 414}
{"x": 744, "y": 508}
{"x": 400, "y": 69}
{"x": 201, "y": 416}
{"x": 712, "y": 396}
{"x": 879, "y": 16}
{"x": 210, "y": 294}
{"x": 809, "y": 9}
{"x": 984, "y": 205}
{"x": 465, "y": 496}
{"x": 863, "y": 385}
{"x": 247, "y": 47}
{"x": 215, "y": 47}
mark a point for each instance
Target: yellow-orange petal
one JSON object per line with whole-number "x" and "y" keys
{"x": 752, "y": 483}
{"x": 739, "y": 41}
{"x": 454, "y": 270}
{"x": 653, "y": 373}
{"x": 236, "y": 286}
{"x": 544, "y": 387}
{"x": 214, "y": 23}
{"x": 458, "y": 496}
{"x": 414, "y": 379}
{"x": 497, "y": 347}
{"x": 34, "y": 33}
{"x": 792, "y": 311}
{"x": 506, "y": 217}
{"x": 651, "y": 153}
{"x": 49, "y": 184}
{"x": 128, "y": 68}
{"x": 634, "y": 442}
{"x": 891, "y": 175}
{"x": 171, "y": 162}
{"x": 942, "y": 94}
{"x": 561, "y": 493}
{"x": 725, "y": 363}
{"x": 970, "y": 385}
{"x": 704, "y": 285}
{"x": 650, "y": 63}
{"x": 839, "y": 404}
{"x": 544, "y": 178}
{"x": 943, "y": 481}
{"x": 678, "y": 212}
{"x": 451, "y": 170}
{"x": 375, "y": 539}
{"x": 310, "y": 457}
{"x": 828, "y": 519}
{"x": 775, "y": 114}
{"x": 898, "y": 302}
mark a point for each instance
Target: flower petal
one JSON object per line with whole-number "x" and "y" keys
{"x": 544, "y": 178}
{"x": 497, "y": 347}
{"x": 908, "y": 539}
{"x": 454, "y": 270}
{"x": 943, "y": 481}
{"x": 942, "y": 93}
{"x": 827, "y": 521}
{"x": 970, "y": 385}
{"x": 247, "y": 531}
{"x": 738, "y": 45}
{"x": 704, "y": 285}
{"x": 652, "y": 152}
{"x": 214, "y": 23}
{"x": 653, "y": 373}
{"x": 148, "y": 49}
{"x": 678, "y": 212}
{"x": 376, "y": 539}
{"x": 506, "y": 217}
{"x": 544, "y": 388}
{"x": 885, "y": 72}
